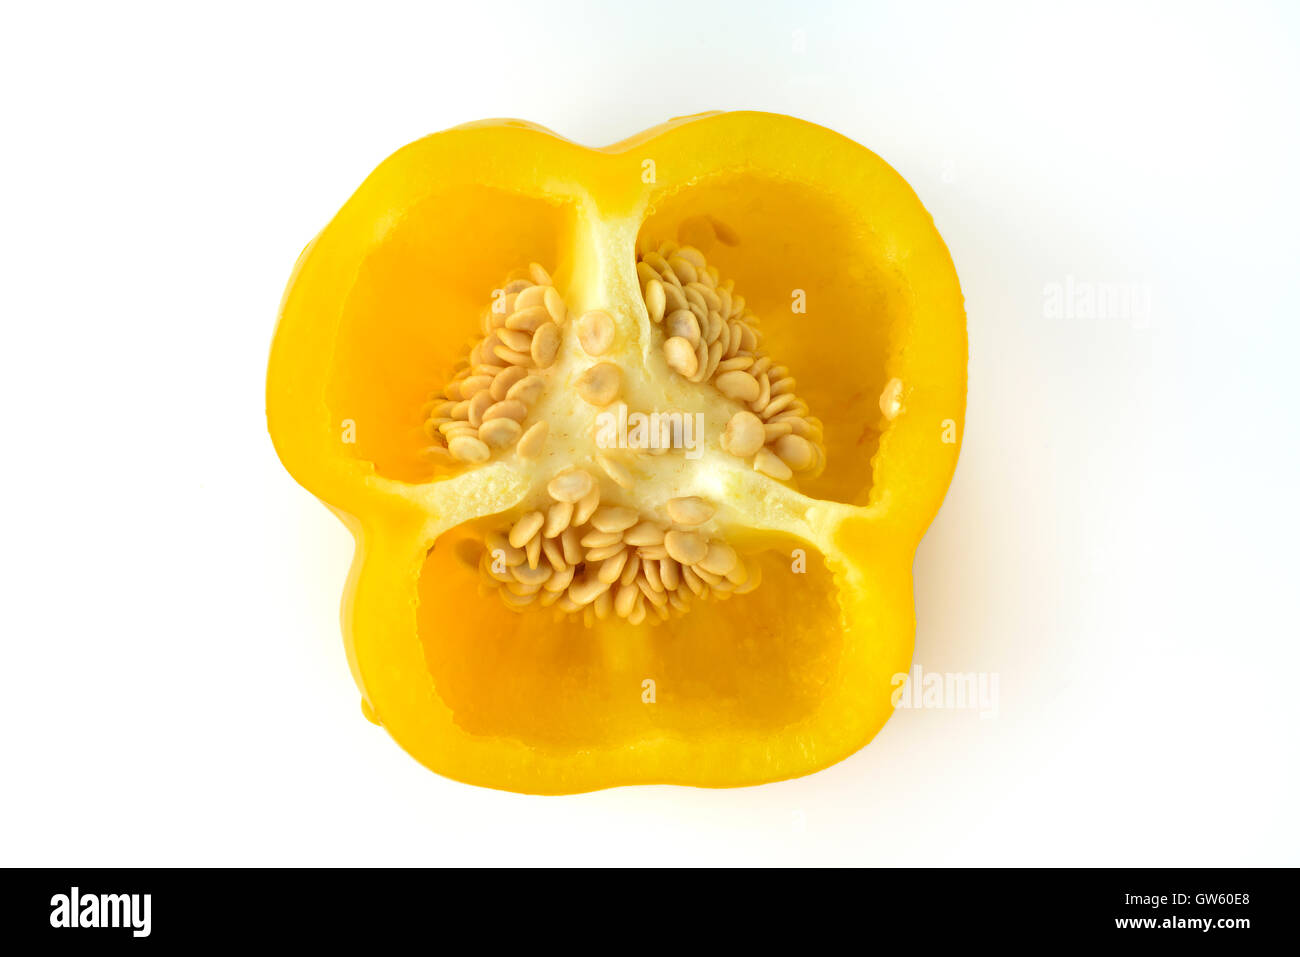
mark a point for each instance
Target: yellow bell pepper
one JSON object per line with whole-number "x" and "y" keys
{"x": 857, "y": 297}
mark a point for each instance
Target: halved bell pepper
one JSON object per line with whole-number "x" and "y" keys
{"x": 857, "y": 298}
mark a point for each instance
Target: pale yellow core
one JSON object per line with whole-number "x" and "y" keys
{"x": 611, "y": 518}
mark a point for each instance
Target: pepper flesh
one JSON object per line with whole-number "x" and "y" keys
{"x": 788, "y": 679}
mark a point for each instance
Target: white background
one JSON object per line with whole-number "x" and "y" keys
{"x": 1119, "y": 544}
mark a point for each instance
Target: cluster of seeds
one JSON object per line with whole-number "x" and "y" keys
{"x": 595, "y": 561}
{"x": 575, "y": 555}
{"x": 484, "y": 407}
{"x": 710, "y": 336}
